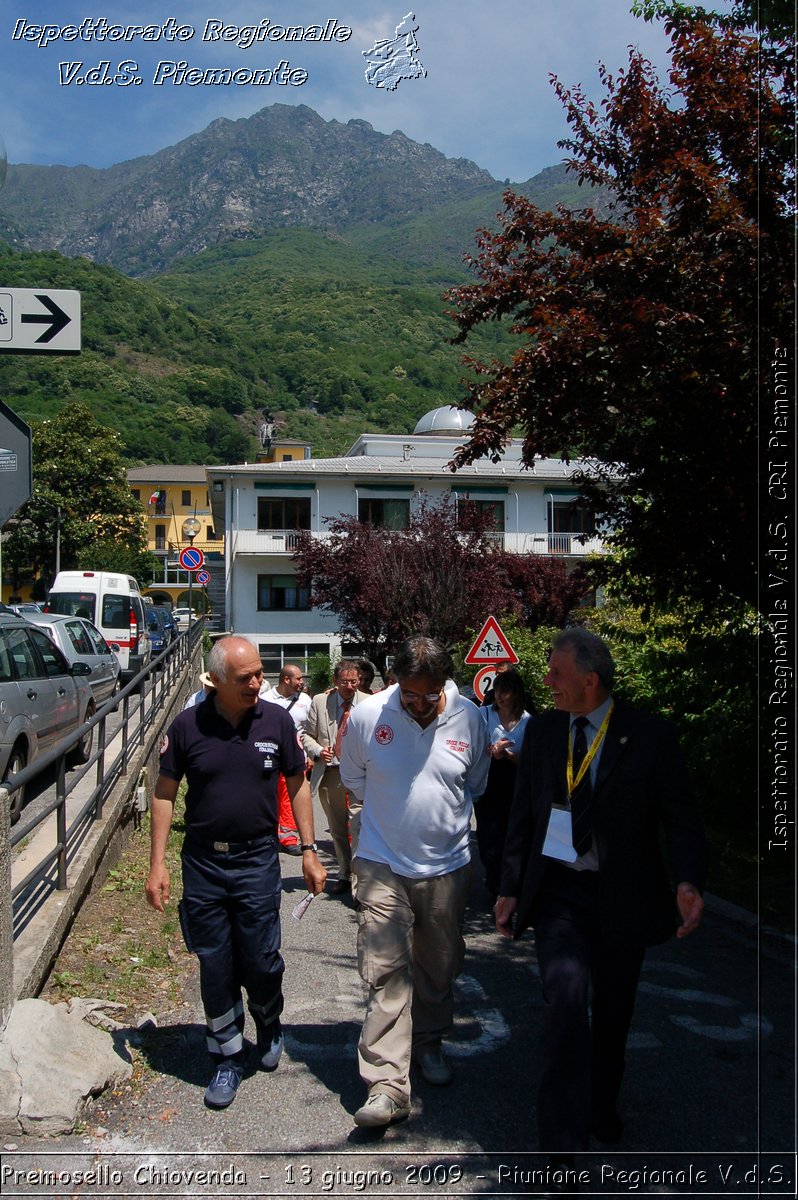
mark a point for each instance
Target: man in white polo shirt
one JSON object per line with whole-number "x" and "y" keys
{"x": 414, "y": 755}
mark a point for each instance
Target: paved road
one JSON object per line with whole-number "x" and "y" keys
{"x": 709, "y": 1083}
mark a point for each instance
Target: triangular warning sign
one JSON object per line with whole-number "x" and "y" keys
{"x": 491, "y": 646}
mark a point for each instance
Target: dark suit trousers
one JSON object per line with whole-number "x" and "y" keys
{"x": 583, "y": 1050}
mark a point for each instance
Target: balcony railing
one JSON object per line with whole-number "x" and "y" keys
{"x": 568, "y": 545}
{"x": 268, "y": 541}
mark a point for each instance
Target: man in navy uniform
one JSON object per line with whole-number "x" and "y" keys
{"x": 231, "y": 748}
{"x": 597, "y": 782}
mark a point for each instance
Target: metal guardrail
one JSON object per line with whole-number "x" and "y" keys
{"x": 153, "y": 684}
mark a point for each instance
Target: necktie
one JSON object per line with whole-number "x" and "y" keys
{"x": 342, "y": 724}
{"x": 582, "y": 796}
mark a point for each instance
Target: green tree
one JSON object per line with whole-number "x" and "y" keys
{"x": 115, "y": 556}
{"x": 81, "y": 499}
{"x": 646, "y": 333}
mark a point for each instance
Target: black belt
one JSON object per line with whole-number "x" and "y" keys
{"x": 220, "y": 847}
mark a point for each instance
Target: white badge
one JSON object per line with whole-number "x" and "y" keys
{"x": 558, "y": 843}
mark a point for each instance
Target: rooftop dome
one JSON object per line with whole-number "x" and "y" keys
{"x": 447, "y": 419}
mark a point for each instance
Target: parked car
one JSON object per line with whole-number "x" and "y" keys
{"x": 43, "y": 698}
{"x": 180, "y": 616}
{"x": 111, "y": 601}
{"x": 80, "y": 641}
{"x": 165, "y": 615}
{"x": 26, "y": 608}
{"x": 160, "y": 627}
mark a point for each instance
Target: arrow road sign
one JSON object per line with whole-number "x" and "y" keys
{"x": 39, "y": 321}
{"x": 55, "y": 321}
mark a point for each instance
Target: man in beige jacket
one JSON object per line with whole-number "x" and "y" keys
{"x": 325, "y": 728}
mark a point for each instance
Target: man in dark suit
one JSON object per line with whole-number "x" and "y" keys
{"x": 596, "y": 783}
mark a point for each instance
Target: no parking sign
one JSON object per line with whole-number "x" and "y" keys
{"x": 191, "y": 559}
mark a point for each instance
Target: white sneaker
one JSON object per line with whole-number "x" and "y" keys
{"x": 381, "y": 1109}
{"x": 271, "y": 1053}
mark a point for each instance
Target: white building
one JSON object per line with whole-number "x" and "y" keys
{"x": 260, "y": 506}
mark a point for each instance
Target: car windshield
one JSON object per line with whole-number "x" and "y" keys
{"x": 72, "y": 604}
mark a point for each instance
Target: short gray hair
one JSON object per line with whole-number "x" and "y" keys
{"x": 591, "y": 653}
{"x": 422, "y": 656}
{"x": 345, "y": 664}
{"x": 217, "y": 658}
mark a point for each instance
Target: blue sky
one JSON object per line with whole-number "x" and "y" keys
{"x": 486, "y": 95}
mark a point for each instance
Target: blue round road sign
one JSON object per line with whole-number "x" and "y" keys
{"x": 191, "y": 559}
{"x": 203, "y": 577}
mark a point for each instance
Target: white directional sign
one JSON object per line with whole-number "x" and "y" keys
{"x": 39, "y": 321}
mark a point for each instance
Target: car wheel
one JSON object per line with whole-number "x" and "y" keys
{"x": 16, "y": 763}
{"x": 82, "y": 751}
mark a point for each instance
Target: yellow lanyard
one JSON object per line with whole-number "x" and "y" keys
{"x": 573, "y": 784}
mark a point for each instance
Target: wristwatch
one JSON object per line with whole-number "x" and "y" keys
{"x": 309, "y": 846}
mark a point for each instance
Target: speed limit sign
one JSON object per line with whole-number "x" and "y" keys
{"x": 483, "y": 681}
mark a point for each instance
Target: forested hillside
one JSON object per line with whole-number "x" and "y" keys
{"x": 325, "y": 307}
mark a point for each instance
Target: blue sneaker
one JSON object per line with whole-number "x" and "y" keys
{"x": 270, "y": 1047}
{"x": 222, "y": 1089}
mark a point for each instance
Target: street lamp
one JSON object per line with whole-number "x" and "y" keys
{"x": 191, "y": 528}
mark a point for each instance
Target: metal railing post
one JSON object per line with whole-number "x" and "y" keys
{"x": 6, "y": 912}
{"x": 60, "y": 823}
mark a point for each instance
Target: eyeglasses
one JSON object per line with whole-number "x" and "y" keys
{"x": 416, "y": 697}
{"x": 349, "y": 682}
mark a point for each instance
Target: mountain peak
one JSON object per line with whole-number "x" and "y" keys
{"x": 284, "y": 166}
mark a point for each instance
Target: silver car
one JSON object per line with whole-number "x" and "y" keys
{"x": 25, "y": 608}
{"x": 43, "y": 698}
{"x": 80, "y": 641}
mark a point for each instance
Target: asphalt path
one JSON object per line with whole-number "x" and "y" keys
{"x": 708, "y": 1099}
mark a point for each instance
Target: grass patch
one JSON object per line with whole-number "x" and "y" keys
{"x": 120, "y": 949}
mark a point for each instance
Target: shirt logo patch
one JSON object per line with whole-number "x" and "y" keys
{"x": 383, "y": 735}
{"x": 458, "y": 746}
{"x": 164, "y": 746}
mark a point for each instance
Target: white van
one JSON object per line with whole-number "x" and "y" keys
{"x": 114, "y": 604}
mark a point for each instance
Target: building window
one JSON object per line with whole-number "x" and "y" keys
{"x": 160, "y": 503}
{"x": 160, "y": 537}
{"x": 384, "y": 514}
{"x": 210, "y": 534}
{"x": 136, "y": 493}
{"x": 280, "y": 593}
{"x": 468, "y": 508}
{"x": 571, "y": 516}
{"x": 276, "y": 513}
{"x": 275, "y": 656}
{"x": 186, "y": 498}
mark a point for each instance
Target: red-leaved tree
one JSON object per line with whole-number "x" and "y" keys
{"x": 442, "y": 575}
{"x": 645, "y": 335}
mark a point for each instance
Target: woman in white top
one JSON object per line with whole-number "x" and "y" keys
{"x": 507, "y": 720}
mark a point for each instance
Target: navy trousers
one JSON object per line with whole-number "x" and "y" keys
{"x": 230, "y": 917}
{"x": 584, "y": 1037}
